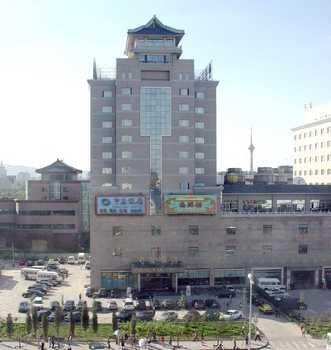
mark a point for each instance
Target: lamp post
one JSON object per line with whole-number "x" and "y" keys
{"x": 250, "y": 279}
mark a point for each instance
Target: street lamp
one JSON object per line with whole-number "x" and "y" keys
{"x": 250, "y": 278}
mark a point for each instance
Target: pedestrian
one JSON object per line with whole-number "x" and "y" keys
{"x": 303, "y": 330}
{"x": 80, "y": 296}
{"x": 257, "y": 335}
{"x": 246, "y": 339}
{"x": 195, "y": 338}
{"x": 108, "y": 342}
{"x": 234, "y": 344}
{"x": 42, "y": 346}
{"x": 53, "y": 341}
{"x": 162, "y": 339}
{"x": 170, "y": 340}
{"x": 126, "y": 336}
{"x": 122, "y": 343}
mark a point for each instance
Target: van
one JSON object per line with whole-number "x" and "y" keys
{"x": 81, "y": 258}
{"x": 270, "y": 284}
{"x": 29, "y": 273}
{"x": 47, "y": 275}
{"x": 71, "y": 260}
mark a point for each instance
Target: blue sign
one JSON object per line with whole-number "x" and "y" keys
{"x": 120, "y": 205}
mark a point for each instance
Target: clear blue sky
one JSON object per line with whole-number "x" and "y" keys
{"x": 271, "y": 57}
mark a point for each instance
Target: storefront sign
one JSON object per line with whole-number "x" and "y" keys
{"x": 120, "y": 205}
{"x": 190, "y": 204}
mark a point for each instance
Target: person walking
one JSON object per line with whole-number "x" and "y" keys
{"x": 42, "y": 346}
{"x": 108, "y": 343}
{"x": 303, "y": 330}
{"x": 53, "y": 341}
{"x": 122, "y": 343}
{"x": 257, "y": 335}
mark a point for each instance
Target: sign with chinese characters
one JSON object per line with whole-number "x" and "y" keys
{"x": 190, "y": 204}
{"x": 120, "y": 205}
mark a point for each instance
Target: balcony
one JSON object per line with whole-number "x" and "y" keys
{"x": 147, "y": 266}
{"x": 274, "y": 214}
{"x": 104, "y": 73}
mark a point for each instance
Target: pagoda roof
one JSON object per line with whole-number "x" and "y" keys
{"x": 58, "y": 167}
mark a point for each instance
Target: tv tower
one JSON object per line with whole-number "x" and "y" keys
{"x": 251, "y": 149}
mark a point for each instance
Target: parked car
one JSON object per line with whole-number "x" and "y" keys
{"x": 128, "y": 305}
{"x": 61, "y": 259}
{"x": 97, "y": 306}
{"x": 168, "y": 316}
{"x": 145, "y": 315}
{"x": 144, "y": 295}
{"x": 89, "y": 292}
{"x": 43, "y": 312}
{"x": 168, "y": 304}
{"x": 69, "y": 305}
{"x": 302, "y": 305}
{"x": 32, "y": 294}
{"x": 71, "y": 260}
{"x": 211, "y": 315}
{"x": 76, "y": 315}
{"x": 96, "y": 346}
{"x": 87, "y": 265}
{"x": 141, "y": 305}
{"x": 112, "y": 306}
{"x": 192, "y": 316}
{"x": 157, "y": 304}
{"x": 100, "y": 293}
{"x": 212, "y": 304}
{"x": 23, "y": 307}
{"x": 226, "y": 292}
{"x": 54, "y": 305}
{"x": 52, "y": 315}
{"x": 266, "y": 309}
{"x": 37, "y": 302}
{"x": 198, "y": 304}
{"x": 231, "y": 315}
{"x": 124, "y": 315}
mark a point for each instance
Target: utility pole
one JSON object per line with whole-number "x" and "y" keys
{"x": 251, "y": 149}
{"x": 13, "y": 252}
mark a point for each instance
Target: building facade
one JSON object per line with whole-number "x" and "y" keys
{"x": 312, "y": 146}
{"x": 54, "y": 217}
{"x": 158, "y": 219}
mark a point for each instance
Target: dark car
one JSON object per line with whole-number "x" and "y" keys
{"x": 156, "y": 304}
{"x": 124, "y": 315}
{"x": 145, "y": 315}
{"x": 226, "y": 292}
{"x": 52, "y": 315}
{"x": 212, "y": 304}
{"x": 96, "y": 346}
{"x": 89, "y": 292}
{"x": 76, "y": 315}
{"x": 97, "y": 306}
{"x": 32, "y": 294}
{"x": 54, "y": 305}
{"x": 141, "y": 305}
{"x": 144, "y": 295}
{"x": 198, "y": 304}
{"x": 101, "y": 293}
{"x": 39, "y": 287}
{"x": 23, "y": 307}
{"x": 43, "y": 312}
{"x": 61, "y": 259}
{"x": 30, "y": 263}
{"x": 168, "y": 304}
{"x": 69, "y": 305}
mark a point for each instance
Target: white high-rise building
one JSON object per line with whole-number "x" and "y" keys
{"x": 312, "y": 146}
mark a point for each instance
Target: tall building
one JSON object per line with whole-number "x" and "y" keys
{"x": 312, "y": 146}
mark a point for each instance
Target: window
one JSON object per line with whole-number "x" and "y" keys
{"x": 199, "y": 110}
{"x": 310, "y": 147}
{"x": 316, "y": 172}
{"x": 117, "y": 231}
{"x": 322, "y": 158}
{"x": 199, "y": 125}
{"x": 184, "y": 139}
{"x": 230, "y": 249}
{"x": 107, "y": 155}
{"x": 315, "y": 132}
{"x": 130, "y": 75}
{"x": 126, "y": 123}
{"x": 322, "y": 144}
{"x": 126, "y": 170}
{"x": 316, "y": 145}
{"x": 183, "y": 155}
{"x": 305, "y": 172}
{"x": 295, "y": 161}
{"x": 126, "y": 155}
{"x": 126, "y": 138}
{"x": 107, "y": 184}
{"x": 184, "y": 107}
{"x": 231, "y": 230}
{"x": 200, "y": 95}
{"x": 156, "y": 252}
{"x": 193, "y": 230}
{"x": 199, "y": 155}
{"x": 183, "y": 170}
{"x": 328, "y": 157}
{"x": 322, "y": 131}
{"x": 184, "y": 91}
{"x": 328, "y": 143}
{"x": 127, "y": 91}
{"x": 303, "y": 228}
{"x": 303, "y": 249}
{"x": 107, "y": 125}
{"x": 107, "y": 109}
{"x": 304, "y": 160}
{"x": 107, "y": 139}
{"x": 117, "y": 252}
{"x": 199, "y": 171}
{"x": 299, "y": 148}
{"x": 193, "y": 251}
{"x": 304, "y": 147}
{"x": 184, "y": 123}
{"x": 126, "y": 186}
{"x": 155, "y": 230}
{"x": 266, "y": 249}
{"x": 107, "y": 171}
{"x": 153, "y": 58}
{"x": 267, "y": 229}
{"x": 126, "y": 107}
{"x": 107, "y": 93}
{"x": 310, "y": 172}
{"x": 295, "y": 172}
{"x": 199, "y": 140}
{"x": 295, "y": 137}
{"x": 329, "y": 171}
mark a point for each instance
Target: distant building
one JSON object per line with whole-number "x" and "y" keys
{"x": 55, "y": 215}
{"x": 312, "y": 146}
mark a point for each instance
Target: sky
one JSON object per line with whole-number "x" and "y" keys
{"x": 270, "y": 58}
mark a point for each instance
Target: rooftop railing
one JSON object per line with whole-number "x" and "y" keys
{"x": 105, "y": 73}
{"x": 273, "y": 213}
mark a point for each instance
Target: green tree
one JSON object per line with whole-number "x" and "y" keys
{"x": 35, "y": 322}
{"x": 9, "y": 326}
{"x": 133, "y": 324}
{"x": 95, "y": 321}
{"x": 28, "y": 323}
{"x": 85, "y": 319}
{"x": 44, "y": 324}
{"x": 58, "y": 320}
{"x": 72, "y": 325}
{"x": 114, "y": 322}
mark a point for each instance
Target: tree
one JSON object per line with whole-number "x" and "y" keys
{"x": 114, "y": 322}
{"x": 72, "y": 325}
{"x": 35, "y": 322}
{"x": 58, "y": 319}
{"x": 9, "y": 326}
{"x": 95, "y": 321}
{"x": 44, "y": 324}
{"x": 133, "y": 324}
{"x": 28, "y": 323}
{"x": 85, "y": 318}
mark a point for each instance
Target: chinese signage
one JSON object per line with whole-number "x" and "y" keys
{"x": 190, "y": 204}
{"x": 120, "y": 205}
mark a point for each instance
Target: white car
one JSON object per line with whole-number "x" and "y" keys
{"x": 37, "y": 302}
{"x": 112, "y": 306}
{"x": 129, "y": 306}
{"x": 71, "y": 260}
{"x": 231, "y": 315}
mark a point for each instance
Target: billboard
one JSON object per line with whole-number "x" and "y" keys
{"x": 190, "y": 204}
{"x": 120, "y": 205}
